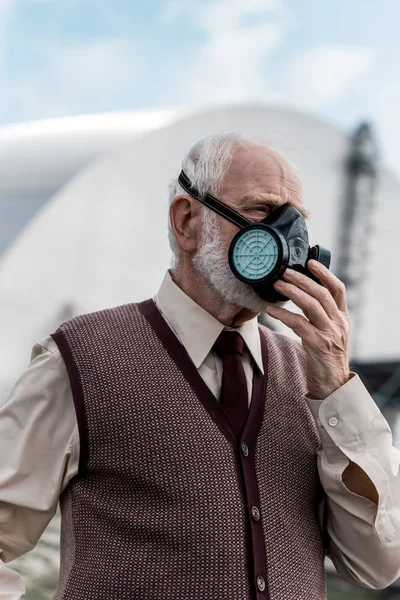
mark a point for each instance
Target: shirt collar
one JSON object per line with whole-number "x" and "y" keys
{"x": 196, "y": 328}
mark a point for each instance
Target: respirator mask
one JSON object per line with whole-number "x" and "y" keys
{"x": 261, "y": 252}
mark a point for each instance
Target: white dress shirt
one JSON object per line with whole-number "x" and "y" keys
{"x": 39, "y": 449}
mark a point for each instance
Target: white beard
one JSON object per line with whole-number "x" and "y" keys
{"x": 211, "y": 261}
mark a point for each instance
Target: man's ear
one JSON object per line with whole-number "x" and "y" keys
{"x": 185, "y": 219}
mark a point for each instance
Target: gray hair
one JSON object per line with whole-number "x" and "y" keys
{"x": 206, "y": 164}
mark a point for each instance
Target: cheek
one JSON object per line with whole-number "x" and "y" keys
{"x": 227, "y": 233}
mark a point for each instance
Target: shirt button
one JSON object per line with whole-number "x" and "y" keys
{"x": 333, "y": 421}
{"x": 255, "y": 513}
{"x": 245, "y": 449}
{"x": 261, "y": 583}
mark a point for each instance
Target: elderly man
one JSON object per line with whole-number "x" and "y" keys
{"x": 197, "y": 455}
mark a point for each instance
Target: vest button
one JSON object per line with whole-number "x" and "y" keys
{"x": 245, "y": 449}
{"x": 261, "y": 583}
{"x": 255, "y": 513}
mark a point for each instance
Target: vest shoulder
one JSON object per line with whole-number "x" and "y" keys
{"x": 100, "y": 318}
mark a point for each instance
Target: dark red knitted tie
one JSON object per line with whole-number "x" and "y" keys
{"x": 234, "y": 395}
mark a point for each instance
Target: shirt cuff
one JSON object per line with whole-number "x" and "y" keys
{"x": 343, "y": 413}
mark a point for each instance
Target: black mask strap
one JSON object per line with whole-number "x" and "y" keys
{"x": 213, "y": 203}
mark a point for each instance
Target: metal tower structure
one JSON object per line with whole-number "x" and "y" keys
{"x": 356, "y": 221}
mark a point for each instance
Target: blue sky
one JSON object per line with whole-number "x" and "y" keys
{"x": 337, "y": 59}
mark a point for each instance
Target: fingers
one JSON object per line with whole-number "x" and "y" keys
{"x": 324, "y": 306}
{"x": 297, "y": 323}
{"x": 331, "y": 283}
{"x": 331, "y": 294}
{"x": 310, "y": 305}
{"x": 314, "y": 290}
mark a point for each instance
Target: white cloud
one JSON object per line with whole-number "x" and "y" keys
{"x": 228, "y": 15}
{"x": 78, "y": 79}
{"x": 230, "y": 66}
{"x": 239, "y": 36}
{"x": 324, "y": 75}
{"x": 219, "y": 15}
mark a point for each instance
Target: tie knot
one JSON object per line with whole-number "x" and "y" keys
{"x": 229, "y": 342}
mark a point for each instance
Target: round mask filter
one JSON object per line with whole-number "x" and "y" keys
{"x": 255, "y": 253}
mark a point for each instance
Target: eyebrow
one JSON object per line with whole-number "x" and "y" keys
{"x": 249, "y": 201}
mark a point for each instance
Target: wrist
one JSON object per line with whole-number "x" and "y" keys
{"x": 320, "y": 392}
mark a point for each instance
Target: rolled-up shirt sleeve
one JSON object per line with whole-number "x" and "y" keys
{"x": 39, "y": 446}
{"x": 364, "y": 537}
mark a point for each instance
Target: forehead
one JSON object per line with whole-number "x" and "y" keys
{"x": 258, "y": 174}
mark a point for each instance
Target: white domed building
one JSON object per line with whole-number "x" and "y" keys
{"x": 84, "y": 205}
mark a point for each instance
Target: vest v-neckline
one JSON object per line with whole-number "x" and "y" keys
{"x": 181, "y": 358}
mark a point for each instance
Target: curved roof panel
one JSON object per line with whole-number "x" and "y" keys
{"x": 39, "y": 156}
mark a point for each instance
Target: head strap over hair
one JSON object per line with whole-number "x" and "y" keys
{"x": 213, "y": 203}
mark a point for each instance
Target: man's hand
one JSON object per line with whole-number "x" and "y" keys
{"x": 324, "y": 329}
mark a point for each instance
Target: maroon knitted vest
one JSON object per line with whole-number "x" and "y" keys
{"x": 168, "y": 504}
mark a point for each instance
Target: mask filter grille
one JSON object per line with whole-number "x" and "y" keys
{"x": 255, "y": 254}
